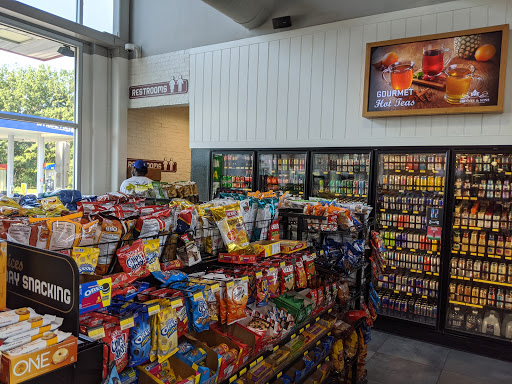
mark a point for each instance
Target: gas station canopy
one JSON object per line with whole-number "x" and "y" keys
{"x": 30, "y": 131}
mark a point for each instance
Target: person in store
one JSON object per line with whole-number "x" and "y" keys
{"x": 139, "y": 172}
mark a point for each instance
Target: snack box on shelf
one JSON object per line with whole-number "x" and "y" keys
{"x": 291, "y": 246}
{"x": 213, "y": 360}
{"x": 16, "y": 369}
{"x": 149, "y": 373}
{"x": 237, "y": 259}
{"x": 95, "y": 292}
{"x": 260, "y": 373}
{"x": 267, "y": 248}
{"x": 248, "y": 341}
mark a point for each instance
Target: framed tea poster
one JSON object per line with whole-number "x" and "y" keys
{"x": 447, "y": 73}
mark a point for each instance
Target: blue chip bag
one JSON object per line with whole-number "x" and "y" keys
{"x": 170, "y": 277}
{"x": 112, "y": 376}
{"x": 129, "y": 376}
{"x": 139, "y": 340}
{"x": 185, "y": 347}
{"x": 197, "y": 308}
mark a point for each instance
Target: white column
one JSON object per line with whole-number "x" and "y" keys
{"x": 10, "y": 166}
{"x": 40, "y": 163}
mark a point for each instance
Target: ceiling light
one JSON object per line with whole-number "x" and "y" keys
{"x": 66, "y": 51}
{"x": 13, "y": 37}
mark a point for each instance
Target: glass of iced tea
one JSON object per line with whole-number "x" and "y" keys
{"x": 434, "y": 60}
{"x": 458, "y": 80}
{"x": 399, "y": 75}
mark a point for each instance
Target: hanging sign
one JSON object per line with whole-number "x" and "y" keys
{"x": 164, "y": 166}
{"x": 45, "y": 281}
{"x": 447, "y": 73}
{"x": 434, "y": 223}
{"x": 175, "y": 86}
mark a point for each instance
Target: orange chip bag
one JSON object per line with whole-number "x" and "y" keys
{"x": 231, "y": 226}
{"x": 301, "y": 280}
{"x": 236, "y": 299}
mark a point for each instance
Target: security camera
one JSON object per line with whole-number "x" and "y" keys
{"x": 129, "y": 47}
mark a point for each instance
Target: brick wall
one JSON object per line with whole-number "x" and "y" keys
{"x": 156, "y": 69}
{"x": 158, "y": 133}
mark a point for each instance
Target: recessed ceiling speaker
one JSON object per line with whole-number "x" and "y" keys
{"x": 282, "y": 22}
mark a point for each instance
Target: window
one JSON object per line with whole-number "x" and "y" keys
{"x": 37, "y": 113}
{"x": 96, "y": 14}
{"x": 99, "y": 15}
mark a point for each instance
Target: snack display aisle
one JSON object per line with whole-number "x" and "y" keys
{"x": 232, "y": 171}
{"x": 341, "y": 175}
{"x": 410, "y": 192}
{"x": 480, "y": 280}
{"x": 282, "y": 172}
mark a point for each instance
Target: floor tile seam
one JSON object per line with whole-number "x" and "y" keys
{"x": 410, "y": 361}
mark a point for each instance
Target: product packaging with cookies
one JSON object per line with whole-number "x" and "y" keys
{"x": 17, "y": 368}
{"x": 16, "y": 315}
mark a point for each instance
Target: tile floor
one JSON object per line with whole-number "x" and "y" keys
{"x": 397, "y": 360}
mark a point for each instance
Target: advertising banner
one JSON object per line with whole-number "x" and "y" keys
{"x": 456, "y": 72}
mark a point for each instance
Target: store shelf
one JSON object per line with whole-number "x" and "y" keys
{"x": 495, "y": 230}
{"x": 413, "y": 250}
{"x": 480, "y": 255}
{"x": 385, "y": 210}
{"x": 453, "y": 277}
{"x": 397, "y": 228}
{"x": 418, "y": 271}
{"x": 407, "y": 189}
{"x": 292, "y": 334}
{"x": 417, "y": 295}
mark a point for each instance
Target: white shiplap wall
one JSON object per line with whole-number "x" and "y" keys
{"x": 304, "y": 88}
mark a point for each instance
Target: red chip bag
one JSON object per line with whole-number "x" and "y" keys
{"x": 301, "y": 280}
{"x": 118, "y": 342}
{"x": 273, "y": 282}
{"x": 309, "y": 266}
{"x": 287, "y": 278}
{"x": 133, "y": 259}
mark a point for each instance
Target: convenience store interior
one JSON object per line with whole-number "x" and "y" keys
{"x": 256, "y": 100}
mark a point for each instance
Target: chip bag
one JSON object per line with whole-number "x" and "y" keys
{"x": 86, "y": 259}
{"x": 232, "y": 227}
{"x": 151, "y": 250}
{"x": 301, "y": 280}
{"x": 287, "y": 278}
{"x": 167, "y": 332}
{"x": 236, "y": 299}
{"x": 53, "y": 206}
{"x": 309, "y": 266}
{"x": 64, "y": 233}
{"x": 261, "y": 289}
{"x": 198, "y": 313}
{"x": 139, "y": 340}
{"x": 273, "y": 282}
{"x": 133, "y": 259}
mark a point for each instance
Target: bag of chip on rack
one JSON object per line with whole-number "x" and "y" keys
{"x": 232, "y": 227}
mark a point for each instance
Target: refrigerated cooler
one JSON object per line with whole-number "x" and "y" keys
{"x": 409, "y": 204}
{"x": 340, "y": 175}
{"x": 284, "y": 172}
{"x": 480, "y": 280}
{"x": 232, "y": 172}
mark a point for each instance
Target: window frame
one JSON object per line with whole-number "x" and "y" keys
{"x": 77, "y": 124}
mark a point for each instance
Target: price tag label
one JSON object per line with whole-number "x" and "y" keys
{"x": 126, "y": 323}
{"x": 412, "y": 250}
{"x": 429, "y": 252}
{"x": 318, "y": 342}
{"x": 252, "y": 364}
{"x": 242, "y": 371}
{"x": 318, "y": 318}
{"x": 279, "y": 375}
{"x": 215, "y": 287}
{"x": 260, "y": 359}
{"x": 396, "y": 291}
{"x": 436, "y": 274}
{"x": 330, "y": 310}
{"x": 409, "y": 294}
{"x": 424, "y": 297}
{"x": 393, "y": 267}
{"x": 96, "y": 333}
{"x": 301, "y": 330}
{"x": 318, "y": 366}
{"x": 230, "y": 284}
{"x": 305, "y": 353}
{"x": 329, "y": 334}
{"x": 276, "y": 347}
{"x": 415, "y": 212}
{"x": 155, "y": 308}
{"x": 233, "y": 378}
{"x": 399, "y": 248}
{"x": 428, "y": 273}
{"x": 404, "y": 211}
{"x": 294, "y": 336}
{"x": 321, "y": 252}
{"x": 245, "y": 278}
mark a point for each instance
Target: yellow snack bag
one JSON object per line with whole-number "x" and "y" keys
{"x": 53, "y": 206}
{"x": 167, "y": 331}
{"x": 86, "y": 259}
{"x": 152, "y": 250}
{"x": 232, "y": 227}
{"x": 153, "y": 354}
{"x": 64, "y": 233}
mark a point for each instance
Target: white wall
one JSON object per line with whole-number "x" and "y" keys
{"x": 304, "y": 87}
{"x": 102, "y": 157}
{"x": 157, "y": 69}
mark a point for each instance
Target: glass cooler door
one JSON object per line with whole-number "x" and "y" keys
{"x": 282, "y": 172}
{"x": 480, "y": 290}
{"x": 232, "y": 172}
{"x": 410, "y": 200}
{"x": 340, "y": 175}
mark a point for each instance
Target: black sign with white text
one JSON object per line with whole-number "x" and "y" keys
{"x": 45, "y": 281}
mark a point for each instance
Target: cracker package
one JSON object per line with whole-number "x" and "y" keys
{"x": 261, "y": 289}
{"x": 232, "y": 227}
{"x": 151, "y": 250}
{"x": 273, "y": 282}
{"x": 139, "y": 340}
{"x": 309, "y": 266}
{"x": 133, "y": 259}
{"x": 301, "y": 280}
{"x": 166, "y": 333}
{"x": 86, "y": 259}
{"x": 236, "y": 299}
{"x": 287, "y": 278}
{"x": 117, "y": 339}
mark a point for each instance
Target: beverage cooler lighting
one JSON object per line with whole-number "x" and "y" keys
{"x": 480, "y": 290}
{"x": 409, "y": 185}
{"x": 341, "y": 175}
{"x": 283, "y": 172}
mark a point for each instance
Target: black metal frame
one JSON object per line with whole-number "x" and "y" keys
{"x": 439, "y": 334}
{"x": 231, "y": 151}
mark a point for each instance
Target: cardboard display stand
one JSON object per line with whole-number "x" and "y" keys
{"x": 49, "y": 282}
